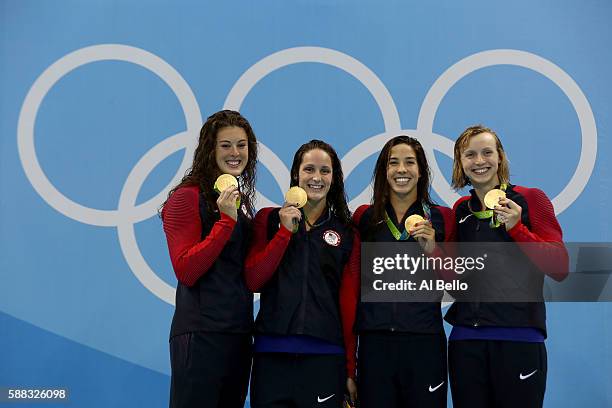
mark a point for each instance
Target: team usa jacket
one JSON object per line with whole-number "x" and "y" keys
{"x": 299, "y": 275}
{"x": 207, "y": 252}
{"x": 538, "y": 224}
{"x": 390, "y": 317}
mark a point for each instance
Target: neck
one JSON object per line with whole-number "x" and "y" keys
{"x": 482, "y": 189}
{"x": 401, "y": 203}
{"x": 313, "y": 210}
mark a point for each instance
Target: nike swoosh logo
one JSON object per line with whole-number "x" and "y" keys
{"x": 319, "y": 399}
{"x": 435, "y": 388}
{"x": 524, "y": 377}
{"x": 461, "y": 221}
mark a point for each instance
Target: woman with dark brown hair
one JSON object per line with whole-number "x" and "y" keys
{"x": 207, "y": 234}
{"x": 298, "y": 261}
{"x": 402, "y": 346}
{"x": 497, "y": 356}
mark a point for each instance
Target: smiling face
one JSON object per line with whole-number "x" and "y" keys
{"x": 232, "y": 150}
{"x": 480, "y": 161}
{"x": 315, "y": 174}
{"x": 403, "y": 171}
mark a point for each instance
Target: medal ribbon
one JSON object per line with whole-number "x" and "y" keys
{"x": 481, "y": 215}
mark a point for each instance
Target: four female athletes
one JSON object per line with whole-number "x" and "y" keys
{"x": 304, "y": 259}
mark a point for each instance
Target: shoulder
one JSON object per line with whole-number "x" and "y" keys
{"x": 186, "y": 192}
{"x": 359, "y": 212}
{"x": 183, "y": 198}
{"x": 531, "y": 194}
{"x": 461, "y": 203}
{"x": 444, "y": 211}
{"x": 537, "y": 201}
{"x": 442, "y": 220}
{"x": 265, "y": 213}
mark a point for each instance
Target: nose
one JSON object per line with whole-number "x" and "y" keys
{"x": 401, "y": 168}
{"x": 479, "y": 159}
{"x": 317, "y": 175}
{"x": 235, "y": 151}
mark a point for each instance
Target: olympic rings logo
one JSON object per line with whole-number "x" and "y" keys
{"x": 128, "y": 213}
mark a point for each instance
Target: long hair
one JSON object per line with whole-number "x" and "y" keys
{"x": 381, "y": 185}
{"x": 204, "y": 170}
{"x": 460, "y": 180}
{"x": 336, "y": 197}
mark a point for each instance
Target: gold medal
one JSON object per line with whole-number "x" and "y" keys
{"x": 491, "y": 199}
{"x": 412, "y": 221}
{"x": 296, "y": 196}
{"x": 225, "y": 181}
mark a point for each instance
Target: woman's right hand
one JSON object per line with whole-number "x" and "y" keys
{"x": 227, "y": 202}
{"x": 288, "y": 213}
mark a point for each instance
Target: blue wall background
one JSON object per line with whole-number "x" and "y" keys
{"x": 82, "y": 305}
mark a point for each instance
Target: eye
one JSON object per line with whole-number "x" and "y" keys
{"x": 242, "y": 145}
{"x": 225, "y": 145}
{"x": 325, "y": 170}
{"x": 488, "y": 152}
{"x": 393, "y": 162}
{"x": 308, "y": 169}
{"x": 469, "y": 155}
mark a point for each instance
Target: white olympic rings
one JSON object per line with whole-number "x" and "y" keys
{"x": 128, "y": 213}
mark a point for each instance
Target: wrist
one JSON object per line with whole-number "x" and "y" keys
{"x": 232, "y": 218}
{"x": 284, "y": 231}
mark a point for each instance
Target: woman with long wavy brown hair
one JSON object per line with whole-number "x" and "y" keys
{"x": 401, "y": 359}
{"x": 207, "y": 233}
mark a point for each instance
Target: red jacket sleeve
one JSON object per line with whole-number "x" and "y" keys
{"x": 551, "y": 255}
{"x": 264, "y": 256}
{"x": 191, "y": 256}
{"x": 349, "y": 297}
{"x": 450, "y": 229}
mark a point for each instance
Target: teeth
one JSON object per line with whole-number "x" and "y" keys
{"x": 233, "y": 162}
{"x": 402, "y": 180}
{"x": 480, "y": 171}
{"x": 315, "y": 187}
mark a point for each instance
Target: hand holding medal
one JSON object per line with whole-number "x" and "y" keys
{"x": 421, "y": 230}
{"x": 508, "y": 212}
{"x": 289, "y": 214}
{"x": 229, "y": 196}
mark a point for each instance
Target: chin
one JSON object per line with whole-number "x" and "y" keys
{"x": 403, "y": 190}
{"x": 315, "y": 198}
{"x": 233, "y": 172}
{"x": 482, "y": 180}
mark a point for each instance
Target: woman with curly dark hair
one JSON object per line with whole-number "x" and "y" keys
{"x": 207, "y": 233}
{"x": 298, "y": 261}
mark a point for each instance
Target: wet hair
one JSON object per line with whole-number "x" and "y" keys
{"x": 380, "y": 198}
{"x": 204, "y": 170}
{"x": 336, "y": 197}
{"x": 460, "y": 180}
